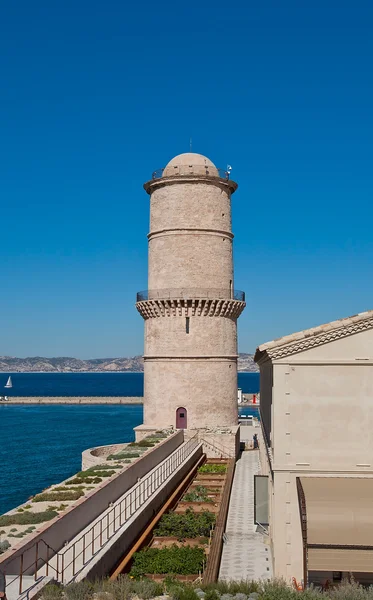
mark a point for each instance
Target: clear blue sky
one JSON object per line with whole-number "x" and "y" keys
{"x": 94, "y": 96}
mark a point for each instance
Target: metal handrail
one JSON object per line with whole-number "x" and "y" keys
{"x": 191, "y": 294}
{"x": 191, "y": 171}
{"x": 218, "y": 448}
{"x": 137, "y": 495}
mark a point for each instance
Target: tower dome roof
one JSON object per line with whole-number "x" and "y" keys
{"x": 190, "y": 163}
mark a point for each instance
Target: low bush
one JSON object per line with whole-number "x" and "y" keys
{"x": 123, "y": 455}
{"x": 217, "y": 469}
{"x": 142, "y": 444}
{"x": 83, "y": 480}
{"x": 96, "y": 473}
{"x": 175, "y": 560}
{"x": 199, "y": 494}
{"x": 27, "y": 518}
{"x": 186, "y": 525}
{"x": 4, "y": 546}
{"x": 52, "y": 592}
{"x": 53, "y": 496}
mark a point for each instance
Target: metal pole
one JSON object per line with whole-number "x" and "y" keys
{"x": 73, "y": 560}
{"x": 63, "y": 567}
{"x": 84, "y": 549}
{"x": 20, "y": 574}
{"x": 36, "y": 560}
{"x": 47, "y": 565}
{"x": 93, "y": 540}
{"x": 100, "y": 533}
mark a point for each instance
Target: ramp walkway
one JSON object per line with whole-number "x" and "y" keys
{"x": 71, "y": 562}
{"x": 246, "y": 552}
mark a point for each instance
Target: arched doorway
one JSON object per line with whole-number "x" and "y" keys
{"x": 181, "y": 418}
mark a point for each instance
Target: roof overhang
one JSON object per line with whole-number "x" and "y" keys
{"x": 337, "y": 523}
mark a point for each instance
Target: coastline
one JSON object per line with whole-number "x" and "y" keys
{"x": 73, "y": 400}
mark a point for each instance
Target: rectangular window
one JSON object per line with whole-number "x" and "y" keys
{"x": 261, "y": 499}
{"x": 187, "y": 324}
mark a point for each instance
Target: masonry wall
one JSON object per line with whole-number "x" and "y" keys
{"x": 207, "y": 389}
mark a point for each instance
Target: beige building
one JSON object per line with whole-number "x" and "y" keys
{"x": 316, "y": 393}
{"x": 191, "y": 308}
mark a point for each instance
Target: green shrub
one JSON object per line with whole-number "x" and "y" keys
{"x": 27, "y": 518}
{"x": 199, "y": 494}
{"x": 4, "y": 546}
{"x": 186, "y": 525}
{"x": 142, "y": 444}
{"x": 183, "y": 560}
{"x": 84, "y": 480}
{"x": 87, "y": 474}
{"x": 52, "y": 592}
{"x": 20, "y": 509}
{"x": 53, "y": 496}
{"x": 83, "y": 590}
{"x": 123, "y": 455}
{"x": 217, "y": 469}
{"x": 146, "y": 589}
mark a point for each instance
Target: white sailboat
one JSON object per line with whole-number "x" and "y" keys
{"x": 9, "y": 383}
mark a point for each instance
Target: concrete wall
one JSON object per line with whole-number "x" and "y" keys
{"x": 117, "y": 547}
{"x": 322, "y": 421}
{"x": 67, "y": 525}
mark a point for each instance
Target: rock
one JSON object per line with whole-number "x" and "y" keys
{"x": 240, "y": 596}
{"x": 254, "y": 596}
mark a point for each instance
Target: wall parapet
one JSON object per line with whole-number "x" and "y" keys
{"x": 182, "y": 307}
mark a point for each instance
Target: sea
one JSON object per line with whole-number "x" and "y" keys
{"x": 42, "y": 444}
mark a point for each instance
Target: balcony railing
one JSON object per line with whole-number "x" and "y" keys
{"x": 191, "y": 294}
{"x": 191, "y": 170}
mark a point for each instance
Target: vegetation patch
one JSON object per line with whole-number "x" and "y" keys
{"x": 142, "y": 444}
{"x": 95, "y": 473}
{"x": 199, "y": 494}
{"x": 4, "y": 546}
{"x": 186, "y": 525}
{"x": 82, "y": 480}
{"x": 175, "y": 560}
{"x": 57, "y": 496}
{"x": 27, "y": 518}
{"x": 123, "y": 455}
{"x": 217, "y": 469}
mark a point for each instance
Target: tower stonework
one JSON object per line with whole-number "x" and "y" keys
{"x": 191, "y": 307}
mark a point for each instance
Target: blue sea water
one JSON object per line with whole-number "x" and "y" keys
{"x": 92, "y": 384}
{"x": 42, "y": 444}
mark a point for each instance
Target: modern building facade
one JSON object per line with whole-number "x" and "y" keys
{"x": 316, "y": 393}
{"x": 191, "y": 308}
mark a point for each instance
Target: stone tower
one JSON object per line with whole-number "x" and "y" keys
{"x": 191, "y": 307}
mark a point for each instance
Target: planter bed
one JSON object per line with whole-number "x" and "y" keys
{"x": 163, "y": 542}
{"x": 197, "y": 507}
{"x": 211, "y": 476}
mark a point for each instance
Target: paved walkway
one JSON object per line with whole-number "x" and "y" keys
{"x": 246, "y": 553}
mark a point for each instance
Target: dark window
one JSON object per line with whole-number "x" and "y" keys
{"x": 182, "y": 415}
{"x": 187, "y": 324}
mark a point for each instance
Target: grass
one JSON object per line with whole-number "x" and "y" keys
{"x": 123, "y": 455}
{"x": 83, "y": 480}
{"x": 27, "y": 518}
{"x": 182, "y": 560}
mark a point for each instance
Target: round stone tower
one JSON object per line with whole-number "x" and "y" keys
{"x": 191, "y": 307}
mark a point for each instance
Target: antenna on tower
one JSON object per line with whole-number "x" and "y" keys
{"x": 190, "y": 143}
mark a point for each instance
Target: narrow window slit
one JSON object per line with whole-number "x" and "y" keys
{"x": 187, "y": 324}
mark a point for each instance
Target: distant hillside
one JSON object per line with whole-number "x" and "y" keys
{"x": 76, "y": 365}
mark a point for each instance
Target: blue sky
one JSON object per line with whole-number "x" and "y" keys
{"x": 94, "y": 96}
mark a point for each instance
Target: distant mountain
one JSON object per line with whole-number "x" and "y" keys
{"x": 11, "y": 364}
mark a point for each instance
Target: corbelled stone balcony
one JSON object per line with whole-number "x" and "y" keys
{"x": 191, "y": 294}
